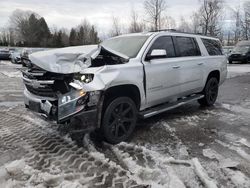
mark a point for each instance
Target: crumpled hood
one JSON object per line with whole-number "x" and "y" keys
{"x": 65, "y": 60}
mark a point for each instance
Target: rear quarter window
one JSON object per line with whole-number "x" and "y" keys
{"x": 213, "y": 47}
{"x": 187, "y": 46}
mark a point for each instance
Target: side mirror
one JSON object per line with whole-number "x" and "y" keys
{"x": 156, "y": 54}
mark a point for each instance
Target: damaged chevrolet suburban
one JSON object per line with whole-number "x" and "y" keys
{"x": 107, "y": 87}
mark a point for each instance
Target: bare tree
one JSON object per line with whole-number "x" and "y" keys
{"x": 209, "y": 13}
{"x": 196, "y": 23}
{"x": 155, "y": 10}
{"x": 135, "y": 25}
{"x": 116, "y": 27}
{"x": 246, "y": 21}
{"x": 184, "y": 26}
{"x": 169, "y": 22}
{"x": 18, "y": 22}
{"x": 236, "y": 26}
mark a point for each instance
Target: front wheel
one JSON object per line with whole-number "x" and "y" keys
{"x": 119, "y": 120}
{"x": 210, "y": 92}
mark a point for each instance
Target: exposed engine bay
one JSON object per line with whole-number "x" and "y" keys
{"x": 105, "y": 57}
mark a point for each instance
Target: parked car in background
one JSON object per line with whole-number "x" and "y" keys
{"x": 25, "y": 57}
{"x": 241, "y": 53}
{"x": 227, "y": 50}
{"x": 15, "y": 56}
{"x": 4, "y": 54}
{"x": 108, "y": 86}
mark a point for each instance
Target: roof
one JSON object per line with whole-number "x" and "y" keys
{"x": 169, "y": 32}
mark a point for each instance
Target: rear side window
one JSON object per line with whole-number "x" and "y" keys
{"x": 187, "y": 46}
{"x": 213, "y": 47}
{"x": 165, "y": 43}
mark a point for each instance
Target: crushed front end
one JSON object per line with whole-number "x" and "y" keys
{"x": 60, "y": 97}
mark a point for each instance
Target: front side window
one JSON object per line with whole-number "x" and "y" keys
{"x": 187, "y": 46}
{"x": 213, "y": 47}
{"x": 164, "y": 43}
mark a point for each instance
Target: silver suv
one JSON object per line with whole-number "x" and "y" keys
{"x": 109, "y": 86}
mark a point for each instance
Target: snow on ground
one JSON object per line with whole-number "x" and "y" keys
{"x": 19, "y": 174}
{"x": 16, "y": 74}
{"x": 237, "y": 70}
{"x": 11, "y": 104}
{"x": 237, "y": 108}
{"x": 8, "y": 63}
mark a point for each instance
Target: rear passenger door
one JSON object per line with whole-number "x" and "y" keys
{"x": 191, "y": 64}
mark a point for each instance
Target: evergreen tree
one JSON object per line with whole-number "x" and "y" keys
{"x": 72, "y": 37}
{"x": 43, "y": 33}
{"x": 81, "y": 36}
{"x": 59, "y": 42}
{"x": 93, "y": 35}
{"x": 65, "y": 38}
{"x": 33, "y": 31}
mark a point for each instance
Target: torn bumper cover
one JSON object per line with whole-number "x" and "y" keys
{"x": 66, "y": 108}
{"x": 59, "y": 100}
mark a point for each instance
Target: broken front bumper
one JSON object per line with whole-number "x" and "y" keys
{"x": 65, "y": 111}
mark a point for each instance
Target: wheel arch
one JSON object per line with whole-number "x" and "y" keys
{"x": 215, "y": 74}
{"x": 127, "y": 90}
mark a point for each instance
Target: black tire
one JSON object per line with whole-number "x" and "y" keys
{"x": 119, "y": 120}
{"x": 210, "y": 92}
{"x": 230, "y": 62}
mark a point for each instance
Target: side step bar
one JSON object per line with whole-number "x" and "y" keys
{"x": 169, "y": 106}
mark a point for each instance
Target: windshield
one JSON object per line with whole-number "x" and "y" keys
{"x": 129, "y": 46}
{"x": 241, "y": 49}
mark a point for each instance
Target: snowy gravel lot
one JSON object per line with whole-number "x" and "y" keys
{"x": 186, "y": 147}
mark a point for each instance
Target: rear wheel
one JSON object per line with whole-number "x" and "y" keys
{"x": 119, "y": 120}
{"x": 230, "y": 62}
{"x": 210, "y": 92}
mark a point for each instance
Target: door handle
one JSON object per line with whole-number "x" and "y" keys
{"x": 200, "y": 64}
{"x": 176, "y": 67}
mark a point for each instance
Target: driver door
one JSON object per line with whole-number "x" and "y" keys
{"x": 162, "y": 73}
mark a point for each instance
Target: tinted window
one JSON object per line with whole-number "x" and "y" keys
{"x": 187, "y": 46}
{"x": 165, "y": 43}
{"x": 213, "y": 46}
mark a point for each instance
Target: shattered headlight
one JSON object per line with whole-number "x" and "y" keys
{"x": 85, "y": 78}
{"x": 73, "y": 95}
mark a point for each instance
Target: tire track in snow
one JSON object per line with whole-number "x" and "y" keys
{"x": 157, "y": 168}
{"x": 49, "y": 153}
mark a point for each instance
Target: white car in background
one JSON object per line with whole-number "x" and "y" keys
{"x": 108, "y": 87}
{"x": 15, "y": 56}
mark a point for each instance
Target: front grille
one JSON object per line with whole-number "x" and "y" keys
{"x": 46, "y": 84}
{"x": 236, "y": 55}
{"x": 41, "y": 91}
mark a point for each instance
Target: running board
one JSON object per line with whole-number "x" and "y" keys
{"x": 169, "y": 106}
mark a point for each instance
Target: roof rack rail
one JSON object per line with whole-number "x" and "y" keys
{"x": 175, "y": 31}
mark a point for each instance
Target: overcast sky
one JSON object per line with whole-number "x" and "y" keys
{"x": 69, "y": 13}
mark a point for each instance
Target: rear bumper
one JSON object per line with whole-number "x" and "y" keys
{"x": 87, "y": 119}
